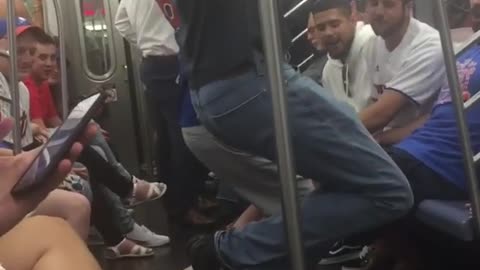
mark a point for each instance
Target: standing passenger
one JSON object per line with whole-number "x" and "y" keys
{"x": 222, "y": 50}
{"x": 143, "y": 24}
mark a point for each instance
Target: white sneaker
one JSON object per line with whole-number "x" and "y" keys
{"x": 144, "y": 236}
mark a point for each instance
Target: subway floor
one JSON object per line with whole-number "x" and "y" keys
{"x": 171, "y": 257}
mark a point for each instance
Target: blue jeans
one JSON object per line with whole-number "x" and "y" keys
{"x": 362, "y": 188}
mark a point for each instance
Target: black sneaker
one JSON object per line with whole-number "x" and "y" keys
{"x": 340, "y": 253}
{"x": 201, "y": 250}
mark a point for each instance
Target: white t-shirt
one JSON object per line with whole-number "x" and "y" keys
{"x": 143, "y": 23}
{"x": 350, "y": 81}
{"x": 5, "y": 108}
{"x": 415, "y": 68}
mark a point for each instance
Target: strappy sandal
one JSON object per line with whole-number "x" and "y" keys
{"x": 144, "y": 191}
{"x": 135, "y": 251}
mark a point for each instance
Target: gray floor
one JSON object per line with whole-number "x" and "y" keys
{"x": 171, "y": 257}
{"x": 168, "y": 258}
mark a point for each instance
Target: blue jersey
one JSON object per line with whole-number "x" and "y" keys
{"x": 436, "y": 144}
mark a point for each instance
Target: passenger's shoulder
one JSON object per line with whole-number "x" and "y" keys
{"x": 425, "y": 33}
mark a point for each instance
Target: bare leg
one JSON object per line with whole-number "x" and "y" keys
{"x": 44, "y": 243}
{"x": 71, "y": 206}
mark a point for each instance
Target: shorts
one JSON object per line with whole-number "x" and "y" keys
{"x": 75, "y": 183}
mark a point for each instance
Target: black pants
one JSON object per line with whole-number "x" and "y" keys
{"x": 426, "y": 184}
{"x": 177, "y": 166}
{"x": 102, "y": 219}
{"x": 103, "y": 172}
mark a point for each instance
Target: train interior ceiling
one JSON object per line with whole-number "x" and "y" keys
{"x": 97, "y": 56}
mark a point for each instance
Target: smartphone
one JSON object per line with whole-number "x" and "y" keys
{"x": 59, "y": 144}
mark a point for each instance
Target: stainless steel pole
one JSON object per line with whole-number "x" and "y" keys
{"x": 63, "y": 58}
{"x": 15, "y": 108}
{"x": 269, "y": 19}
{"x": 456, "y": 93}
{"x": 295, "y": 8}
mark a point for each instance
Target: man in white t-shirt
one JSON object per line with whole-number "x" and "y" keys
{"x": 345, "y": 73}
{"x": 405, "y": 62}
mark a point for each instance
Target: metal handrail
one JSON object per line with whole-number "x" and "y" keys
{"x": 295, "y": 8}
{"x": 273, "y": 55}
{"x": 472, "y": 101}
{"x": 14, "y": 89}
{"x": 301, "y": 34}
{"x": 63, "y": 58}
{"x": 456, "y": 93}
{"x": 310, "y": 57}
{"x": 474, "y": 39}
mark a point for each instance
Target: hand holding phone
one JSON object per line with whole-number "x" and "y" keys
{"x": 59, "y": 144}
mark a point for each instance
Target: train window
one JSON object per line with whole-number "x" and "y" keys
{"x": 96, "y": 38}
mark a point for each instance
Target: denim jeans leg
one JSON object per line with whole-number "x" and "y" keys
{"x": 363, "y": 188}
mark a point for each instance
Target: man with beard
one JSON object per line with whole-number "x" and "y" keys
{"x": 406, "y": 65}
{"x": 431, "y": 157}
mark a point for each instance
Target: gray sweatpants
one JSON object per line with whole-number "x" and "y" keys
{"x": 252, "y": 177}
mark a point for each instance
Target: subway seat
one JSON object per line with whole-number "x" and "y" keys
{"x": 450, "y": 217}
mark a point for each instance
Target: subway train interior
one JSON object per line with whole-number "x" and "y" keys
{"x": 147, "y": 188}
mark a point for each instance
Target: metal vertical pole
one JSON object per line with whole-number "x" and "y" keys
{"x": 63, "y": 58}
{"x": 456, "y": 93}
{"x": 269, "y": 19}
{"x": 15, "y": 108}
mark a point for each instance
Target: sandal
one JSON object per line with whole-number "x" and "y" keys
{"x": 144, "y": 191}
{"x": 127, "y": 249}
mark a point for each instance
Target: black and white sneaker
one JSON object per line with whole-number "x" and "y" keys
{"x": 341, "y": 253}
{"x": 361, "y": 263}
{"x": 201, "y": 250}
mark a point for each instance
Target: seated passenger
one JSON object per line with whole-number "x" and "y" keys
{"x": 46, "y": 243}
{"x": 111, "y": 209}
{"x": 431, "y": 157}
{"x": 44, "y": 113}
{"x": 345, "y": 40}
{"x": 72, "y": 207}
{"x": 406, "y": 65}
{"x": 392, "y": 93}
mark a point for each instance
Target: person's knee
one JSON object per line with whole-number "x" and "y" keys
{"x": 45, "y": 227}
{"x": 402, "y": 200}
{"x": 79, "y": 207}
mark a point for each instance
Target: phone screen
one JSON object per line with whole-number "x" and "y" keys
{"x": 58, "y": 145}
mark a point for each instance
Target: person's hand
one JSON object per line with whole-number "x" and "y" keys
{"x": 14, "y": 208}
{"x": 41, "y": 134}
